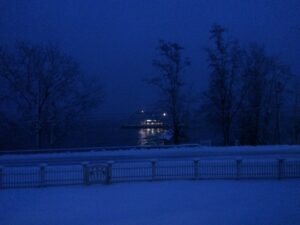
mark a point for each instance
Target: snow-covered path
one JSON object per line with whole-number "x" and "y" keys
{"x": 173, "y": 202}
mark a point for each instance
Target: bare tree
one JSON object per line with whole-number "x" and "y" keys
{"x": 247, "y": 91}
{"x": 295, "y": 114}
{"x": 220, "y": 100}
{"x": 261, "y": 113}
{"x": 254, "y": 108}
{"x": 171, "y": 64}
{"x": 46, "y": 87}
{"x": 279, "y": 80}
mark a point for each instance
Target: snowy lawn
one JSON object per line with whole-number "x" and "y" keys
{"x": 220, "y": 202}
{"x": 255, "y": 151}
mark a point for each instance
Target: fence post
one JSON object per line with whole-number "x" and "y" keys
{"x": 280, "y": 168}
{"x": 86, "y": 173}
{"x": 153, "y": 165}
{"x": 109, "y": 172}
{"x": 238, "y": 168}
{"x": 196, "y": 168}
{"x": 1, "y": 177}
{"x": 43, "y": 175}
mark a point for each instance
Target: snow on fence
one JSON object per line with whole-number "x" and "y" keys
{"x": 152, "y": 170}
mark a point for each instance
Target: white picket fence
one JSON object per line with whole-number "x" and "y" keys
{"x": 147, "y": 170}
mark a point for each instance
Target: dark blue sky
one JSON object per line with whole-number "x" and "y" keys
{"x": 116, "y": 39}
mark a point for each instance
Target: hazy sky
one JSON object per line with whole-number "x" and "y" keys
{"x": 116, "y": 39}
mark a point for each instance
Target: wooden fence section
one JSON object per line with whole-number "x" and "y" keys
{"x": 152, "y": 170}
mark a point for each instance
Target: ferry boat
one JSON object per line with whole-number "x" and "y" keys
{"x": 144, "y": 119}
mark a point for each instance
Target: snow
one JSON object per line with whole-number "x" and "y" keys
{"x": 174, "y": 152}
{"x": 208, "y": 202}
{"x": 245, "y": 202}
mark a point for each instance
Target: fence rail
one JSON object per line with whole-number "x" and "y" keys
{"x": 129, "y": 171}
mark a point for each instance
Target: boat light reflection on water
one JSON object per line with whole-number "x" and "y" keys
{"x": 150, "y": 126}
{"x": 150, "y": 136}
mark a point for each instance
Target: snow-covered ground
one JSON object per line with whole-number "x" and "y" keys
{"x": 173, "y": 202}
{"x": 284, "y": 151}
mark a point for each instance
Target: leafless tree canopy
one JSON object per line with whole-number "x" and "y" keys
{"x": 45, "y": 88}
{"x": 246, "y": 91}
{"x": 220, "y": 100}
{"x": 171, "y": 66}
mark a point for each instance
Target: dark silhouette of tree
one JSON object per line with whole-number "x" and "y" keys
{"x": 46, "y": 87}
{"x": 221, "y": 102}
{"x": 294, "y": 120}
{"x": 265, "y": 78}
{"x": 254, "y": 109}
{"x": 171, "y": 65}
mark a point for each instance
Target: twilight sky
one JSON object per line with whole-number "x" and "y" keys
{"x": 115, "y": 40}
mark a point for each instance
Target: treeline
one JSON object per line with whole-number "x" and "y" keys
{"x": 43, "y": 92}
{"x": 251, "y": 99}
